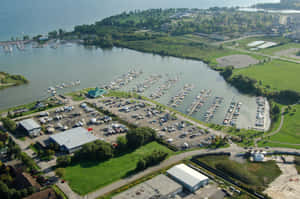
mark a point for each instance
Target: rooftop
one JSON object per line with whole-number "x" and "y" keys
{"x": 157, "y": 187}
{"x": 29, "y": 124}
{"x": 186, "y": 174}
{"x": 45, "y": 194}
{"x": 73, "y": 138}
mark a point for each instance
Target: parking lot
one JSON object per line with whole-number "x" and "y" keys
{"x": 179, "y": 133}
{"x": 82, "y": 115}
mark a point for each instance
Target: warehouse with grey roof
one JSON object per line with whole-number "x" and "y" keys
{"x": 159, "y": 187}
{"x": 31, "y": 127}
{"x": 189, "y": 178}
{"x": 72, "y": 140}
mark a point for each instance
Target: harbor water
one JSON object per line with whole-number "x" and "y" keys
{"x": 47, "y": 67}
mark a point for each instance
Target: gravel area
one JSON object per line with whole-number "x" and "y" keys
{"x": 287, "y": 185}
{"x": 289, "y": 53}
{"x": 238, "y": 61}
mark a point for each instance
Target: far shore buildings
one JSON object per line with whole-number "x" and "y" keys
{"x": 31, "y": 127}
{"x": 72, "y": 140}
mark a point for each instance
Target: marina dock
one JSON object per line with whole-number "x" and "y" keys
{"x": 232, "y": 113}
{"x": 210, "y": 113}
{"x": 199, "y": 101}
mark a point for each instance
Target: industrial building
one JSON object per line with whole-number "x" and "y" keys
{"x": 189, "y": 178}
{"x": 31, "y": 127}
{"x": 159, "y": 187}
{"x": 72, "y": 140}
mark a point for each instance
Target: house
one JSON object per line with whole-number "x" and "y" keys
{"x": 72, "y": 140}
{"x": 32, "y": 128}
{"x": 45, "y": 194}
{"x": 97, "y": 92}
{"x": 189, "y": 178}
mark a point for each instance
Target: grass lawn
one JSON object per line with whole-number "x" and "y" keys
{"x": 290, "y": 131}
{"x": 279, "y": 75}
{"x": 265, "y": 143}
{"x": 256, "y": 175}
{"x": 273, "y": 50}
{"x": 181, "y": 47}
{"x": 86, "y": 177}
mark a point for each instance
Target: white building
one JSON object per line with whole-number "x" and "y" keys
{"x": 31, "y": 127}
{"x": 72, "y": 140}
{"x": 189, "y": 178}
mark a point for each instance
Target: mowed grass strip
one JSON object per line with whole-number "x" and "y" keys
{"x": 279, "y": 75}
{"x": 86, "y": 177}
{"x": 290, "y": 131}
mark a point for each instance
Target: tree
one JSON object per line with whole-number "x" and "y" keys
{"x": 4, "y": 191}
{"x": 60, "y": 172}
{"x": 53, "y": 34}
{"x": 154, "y": 158}
{"x": 140, "y": 136}
{"x": 26, "y": 37}
{"x": 63, "y": 161}
{"x": 95, "y": 151}
{"x": 227, "y": 72}
{"x": 9, "y": 124}
{"x": 122, "y": 143}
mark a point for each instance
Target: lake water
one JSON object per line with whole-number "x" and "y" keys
{"x": 36, "y": 16}
{"x": 48, "y": 67}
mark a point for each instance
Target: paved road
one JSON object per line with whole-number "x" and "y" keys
{"x": 234, "y": 149}
{"x": 240, "y": 38}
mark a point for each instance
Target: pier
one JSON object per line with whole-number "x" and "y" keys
{"x": 210, "y": 113}
{"x": 232, "y": 113}
{"x": 199, "y": 101}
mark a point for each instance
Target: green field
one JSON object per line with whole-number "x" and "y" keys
{"x": 86, "y": 177}
{"x": 255, "y": 175}
{"x": 290, "y": 131}
{"x": 273, "y": 50}
{"x": 279, "y": 75}
{"x": 181, "y": 47}
{"x": 243, "y": 43}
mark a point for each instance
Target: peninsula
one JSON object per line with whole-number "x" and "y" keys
{"x": 8, "y": 80}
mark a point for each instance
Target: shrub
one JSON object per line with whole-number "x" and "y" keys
{"x": 154, "y": 158}
{"x": 63, "y": 161}
{"x": 60, "y": 172}
{"x": 140, "y": 136}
